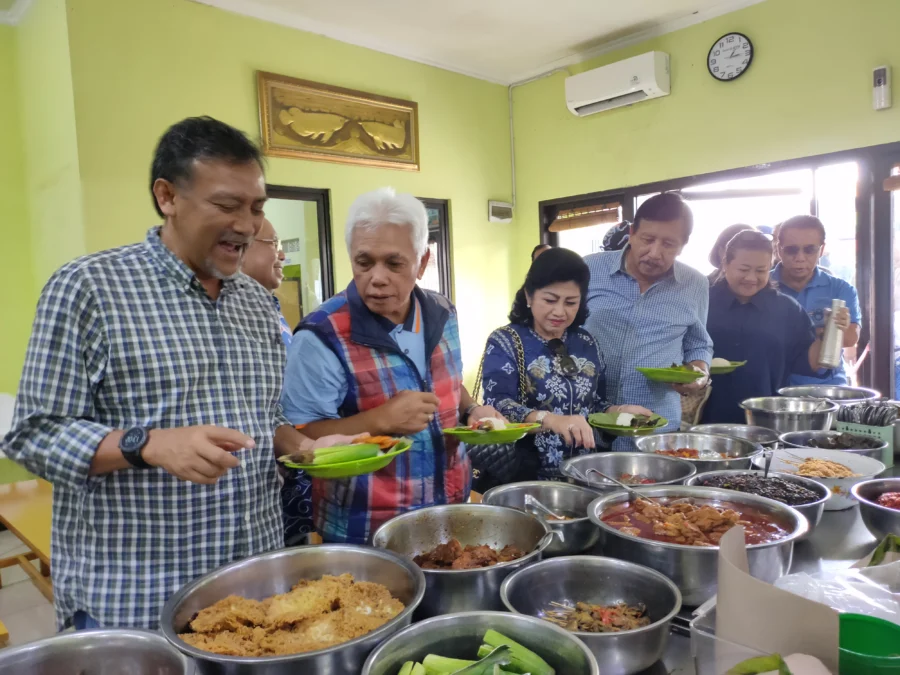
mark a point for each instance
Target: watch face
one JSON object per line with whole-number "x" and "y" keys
{"x": 134, "y": 438}
{"x": 730, "y": 56}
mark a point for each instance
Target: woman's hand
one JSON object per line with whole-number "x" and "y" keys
{"x": 574, "y": 429}
{"x": 633, "y": 409}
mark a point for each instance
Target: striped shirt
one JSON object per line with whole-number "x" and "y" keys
{"x": 124, "y": 338}
{"x": 664, "y": 325}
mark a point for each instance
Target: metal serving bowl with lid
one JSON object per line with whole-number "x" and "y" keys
{"x": 737, "y": 453}
{"x": 761, "y": 435}
{"x": 840, "y": 394}
{"x": 447, "y": 591}
{"x": 262, "y": 576}
{"x": 601, "y": 581}
{"x": 576, "y": 534}
{"x": 784, "y": 414}
{"x": 802, "y": 439}
{"x": 812, "y": 511}
{"x": 96, "y": 651}
{"x": 460, "y": 635}
{"x": 659, "y": 468}
{"x": 694, "y": 569}
{"x": 880, "y": 520}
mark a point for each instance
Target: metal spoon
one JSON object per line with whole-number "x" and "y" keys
{"x": 533, "y": 504}
{"x": 769, "y": 455}
{"x": 634, "y": 494}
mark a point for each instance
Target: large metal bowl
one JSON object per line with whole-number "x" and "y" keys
{"x": 880, "y": 520}
{"x": 449, "y": 591}
{"x": 738, "y": 452}
{"x": 575, "y": 535}
{"x": 785, "y": 414}
{"x": 269, "y": 574}
{"x": 694, "y": 569}
{"x": 460, "y": 635}
{"x": 106, "y": 651}
{"x": 842, "y": 395}
{"x": 601, "y": 581}
{"x": 812, "y": 511}
{"x": 761, "y": 435}
{"x": 664, "y": 470}
{"x": 801, "y": 439}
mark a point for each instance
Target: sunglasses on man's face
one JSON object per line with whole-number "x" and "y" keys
{"x": 793, "y": 251}
{"x": 566, "y": 362}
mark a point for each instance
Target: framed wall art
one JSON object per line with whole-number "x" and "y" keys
{"x": 309, "y": 120}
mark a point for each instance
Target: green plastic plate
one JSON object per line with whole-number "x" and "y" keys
{"x": 724, "y": 370}
{"x": 359, "y": 467}
{"x": 607, "y": 422}
{"x": 511, "y": 434}
{"x": 670, "y": 375}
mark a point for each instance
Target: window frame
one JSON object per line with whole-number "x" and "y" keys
{"x": 445, "y": 256}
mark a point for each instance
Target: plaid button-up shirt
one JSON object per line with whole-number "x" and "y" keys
{"x": 124, "y": 338}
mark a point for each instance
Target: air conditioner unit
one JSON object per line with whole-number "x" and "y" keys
{"x": 639, "y": 78}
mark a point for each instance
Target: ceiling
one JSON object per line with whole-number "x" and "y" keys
{"x": 502, "y": 41}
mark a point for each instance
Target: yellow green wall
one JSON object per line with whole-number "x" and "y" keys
{"x": 16, "y": 277}
{"x": 140, "y": 65}
{"x": 807, "y": 92}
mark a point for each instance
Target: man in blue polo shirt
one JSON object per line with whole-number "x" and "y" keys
{"x": 801, "y": 242}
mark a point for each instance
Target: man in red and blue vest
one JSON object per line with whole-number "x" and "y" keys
{"x": 383, "y": 357}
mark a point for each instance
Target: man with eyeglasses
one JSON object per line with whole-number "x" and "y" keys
{"x": 264, "y": 262}
{"x": 801, "y": 242}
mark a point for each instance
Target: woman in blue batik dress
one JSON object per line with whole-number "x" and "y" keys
{"x": 564, "y": 367}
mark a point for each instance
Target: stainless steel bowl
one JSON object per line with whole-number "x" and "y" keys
{"x": 96, "y": 651}
{"x": 601, "y": 581}
{"x": 269, "y": 574}
{"x": 785, "y": 414}
{"x": 761, "y": 435}
{"x": 460, "y": 635}
{"x": 576, "y": 535}
{"x": 837, "y": 393}
{"x": 812, "y": 511}
{"x": 664, "y": 470}
{"x": 448, "y": 591}
{"x": 738, "y": 452}
{"x": 694, "y": 569}
{"x": 880, "y": 520}
{"x": 800, "y": 439}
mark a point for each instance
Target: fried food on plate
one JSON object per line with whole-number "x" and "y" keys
{"x": 383, "y": 442}
{"x": 313, "y": 615}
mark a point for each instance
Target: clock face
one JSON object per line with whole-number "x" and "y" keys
{"x": 730, "y": 56}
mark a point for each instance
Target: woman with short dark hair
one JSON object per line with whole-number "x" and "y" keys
{"x": 564, "y": 372}
{"x": 749, "y": 320}
{"x": 717, "y": 254}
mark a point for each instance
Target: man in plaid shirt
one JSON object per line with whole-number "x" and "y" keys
{"x": 150, "y": 393}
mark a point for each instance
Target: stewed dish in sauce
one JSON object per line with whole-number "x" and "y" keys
{"x": 701, "y": 523}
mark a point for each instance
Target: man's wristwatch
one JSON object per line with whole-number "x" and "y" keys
{"x": 132, "y": 445}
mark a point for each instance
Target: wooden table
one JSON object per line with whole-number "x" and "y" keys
{"x": 26, "y": 511}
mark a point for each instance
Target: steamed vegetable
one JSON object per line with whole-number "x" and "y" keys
{"x": 521, "y": 661}
{"x": 336, "y": 455}
{"x": 761, "y": 664}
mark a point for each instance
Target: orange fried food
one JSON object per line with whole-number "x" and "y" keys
{"x": 229, "y": 613}
{"x": 383, "y": 442}
{"x": 313, "y": 615}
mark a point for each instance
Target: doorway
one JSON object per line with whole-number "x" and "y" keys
{"x": 302, "y": 221}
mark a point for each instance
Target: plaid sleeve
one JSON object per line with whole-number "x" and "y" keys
{"x": 53, "y": 433}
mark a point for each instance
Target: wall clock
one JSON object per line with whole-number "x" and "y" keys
{"x": 730, "y": 57}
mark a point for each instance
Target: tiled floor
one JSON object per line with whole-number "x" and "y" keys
{"x": 25, "y": 612}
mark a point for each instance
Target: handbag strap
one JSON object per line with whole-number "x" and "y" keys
{"x": 520, "y": 366}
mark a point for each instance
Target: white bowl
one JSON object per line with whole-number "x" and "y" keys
{"x": 841, "y": 499}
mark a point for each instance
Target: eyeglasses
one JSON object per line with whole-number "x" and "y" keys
{"x": 275, "y": 243}
{"x": 566, "y": 362}
{"x": 793, "y": 251}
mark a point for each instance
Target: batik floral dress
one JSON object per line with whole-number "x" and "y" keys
{"x": 548, "y": 388}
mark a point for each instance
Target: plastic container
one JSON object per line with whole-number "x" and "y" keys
{"x": 869, "y": 646}
{"x": 713, "y": 655}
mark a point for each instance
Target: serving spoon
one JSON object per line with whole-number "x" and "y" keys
{"x": 633, "y": 494}
{"x": 533, "y": 504}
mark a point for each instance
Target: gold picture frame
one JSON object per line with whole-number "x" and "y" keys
{"x": 309, "y": 120}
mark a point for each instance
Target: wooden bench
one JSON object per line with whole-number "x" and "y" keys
{"x": 26, "y": 511}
